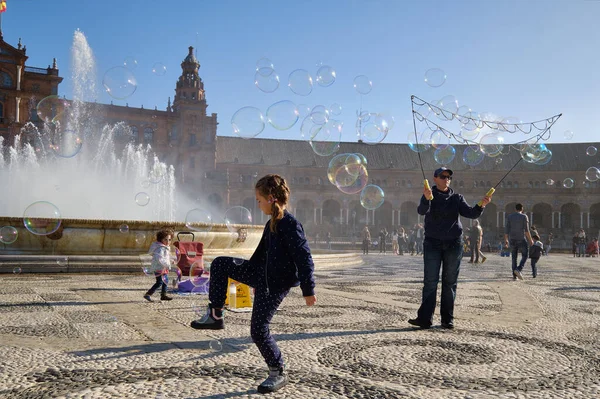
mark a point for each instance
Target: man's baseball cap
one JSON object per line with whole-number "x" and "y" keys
{"x": 440, "y": 170}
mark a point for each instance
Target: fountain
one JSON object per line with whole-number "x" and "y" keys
{"x": 71, "y": 161}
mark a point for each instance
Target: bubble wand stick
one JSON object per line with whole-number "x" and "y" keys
{"x": 425, "y": 181}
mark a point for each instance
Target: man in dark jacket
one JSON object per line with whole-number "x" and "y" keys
{"x": 442, "y": 247}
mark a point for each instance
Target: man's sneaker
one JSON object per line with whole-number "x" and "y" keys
{"x": 483, "y": 259}
{"x": 165, "y": 298}
{"x": 148, "y": 298}
{"x": 212, "y": 320}
{"x": 276, "y": 380}
{"x": 518, "y": 274}
{"x": 419, "y": 323}
{"x": 448, "y": 326}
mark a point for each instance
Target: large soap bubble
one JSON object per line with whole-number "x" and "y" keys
{"x": 372, "y": 197}
{"x": 282, "y": 115}
{"x": 42, "y": 218}
{"x": 248, "y": 122}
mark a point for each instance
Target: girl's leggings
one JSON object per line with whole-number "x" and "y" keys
{"x": 264, "y": 307}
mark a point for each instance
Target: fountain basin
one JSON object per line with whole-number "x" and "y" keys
{"x": 103, "y": 237}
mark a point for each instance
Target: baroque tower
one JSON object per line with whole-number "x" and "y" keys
{"x": 194, "y": 133}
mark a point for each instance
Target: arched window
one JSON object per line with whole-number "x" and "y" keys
{"x": 2, "y": 112}
{"x": 409, "y": 184}
{"x": 488, "y": 184}
{"x": 320, "y": 181}
{"x": 537, "y": 184}
{"x": 482, "y": 184}
{"x": 148, "y": 135}
{"x": 509, "y": 184}
{"x": 516, "y": 184}
{"x": 301, "y": 180}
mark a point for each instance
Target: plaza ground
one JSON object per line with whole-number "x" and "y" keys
{"x": 93, "y": 336}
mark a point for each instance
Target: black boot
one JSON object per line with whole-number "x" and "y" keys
{"x": 148, "y": 297}
{"x": 165, "y": 297}
{"x": 212, "y": 320}
{"x": 277, "y": 379}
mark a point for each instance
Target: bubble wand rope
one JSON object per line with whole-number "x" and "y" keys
{"x": 493, "y": 189}
{"x": 425, "y": 181}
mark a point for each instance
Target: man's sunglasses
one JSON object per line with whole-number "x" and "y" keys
{"x": 444, "y": 177}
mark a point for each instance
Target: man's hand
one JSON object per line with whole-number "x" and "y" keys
{"x": 310, "y": 300}
{"x": 486, "y": 200}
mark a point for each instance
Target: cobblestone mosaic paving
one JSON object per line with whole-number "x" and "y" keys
{"x": 93, "y": 336}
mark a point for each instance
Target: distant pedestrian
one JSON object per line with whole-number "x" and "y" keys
{"x": 366, "y": 240}
{"x": 476, "y": 236}
{"x": 161, "y": 262}
{"x": 517, "y": 231}
{"x": 535, "y": 252}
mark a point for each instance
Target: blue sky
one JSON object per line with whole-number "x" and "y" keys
{"x": 528, "y": 59}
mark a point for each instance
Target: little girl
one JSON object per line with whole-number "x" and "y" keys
{"x": 281, "y": 261}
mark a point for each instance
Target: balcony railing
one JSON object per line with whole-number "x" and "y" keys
{"x": 41, "y": 71}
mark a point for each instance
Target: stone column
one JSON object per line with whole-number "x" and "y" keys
{"x": 552, "y": 219}
{"x": 559, "y": 220}
{"x": 19, "y": 77}
{"x": 18, "y": 102}
{"x": 315, "y": 216}
{"x": 581, "y": 220}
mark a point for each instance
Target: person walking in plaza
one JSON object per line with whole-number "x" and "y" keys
{"x": 328, "y": 240}
{"x": 548, "y": 245}
{"x": 281, "y": 261}
{"x": 395, "y": 242}
{"x": 419, "y": 235}
{"x": 535, "y": 252}
{"x": 160, "y": 264}
{"x": 382, "y": 237}
{"x": 366, "y": 240}
{"x": 442, "y": 247}
{"x": 516, "y": 233}
{"x": 476, "y": 236}
{"x": 581, "y": 243}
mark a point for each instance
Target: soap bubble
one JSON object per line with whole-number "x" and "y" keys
{"x": 130, "y": 62}
{"x": 264, "y": 66}
{"x": 592, "y": 174}
{"x": 325, "y": 76}
{"x": 568, "y": 183}
{"x": 473, "y": 156}
{"x": 62, "y": 261}
{"x": 42, "y": 218}
{"x": 362, "y": 84}
{"x": 550, "y": 182}
{"x": 248, "y": 122}
{"x": 435, "y": 77}
{"x": 124, "y": 228}
{"x": 142, "y": 199}
{"x": 66, "y": 143}
{"x": 215, "y": 345}
{"x": 282, "y": 115}
{"x": 8, "y": 235}
{"x": 372, "y": 197}
{"x": 319, "y": 114}
{"x": 335, "y": 109}
{"x": 326, "y": 139}
{"x": 266, "y": 80}
{"x": 51, "y": 108}
{"x": 300, "y": 82}
{"x": 237, "y": 215}
{"x": 568, "y": 134}
{"x": 119, "y": 82}
{"x": 17, "y": 270}
{"x": 199, "y": 219}
{"x": 445, "y": 155}
{"x": 159, "y": 69}
{"x": 591, "y": 151}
